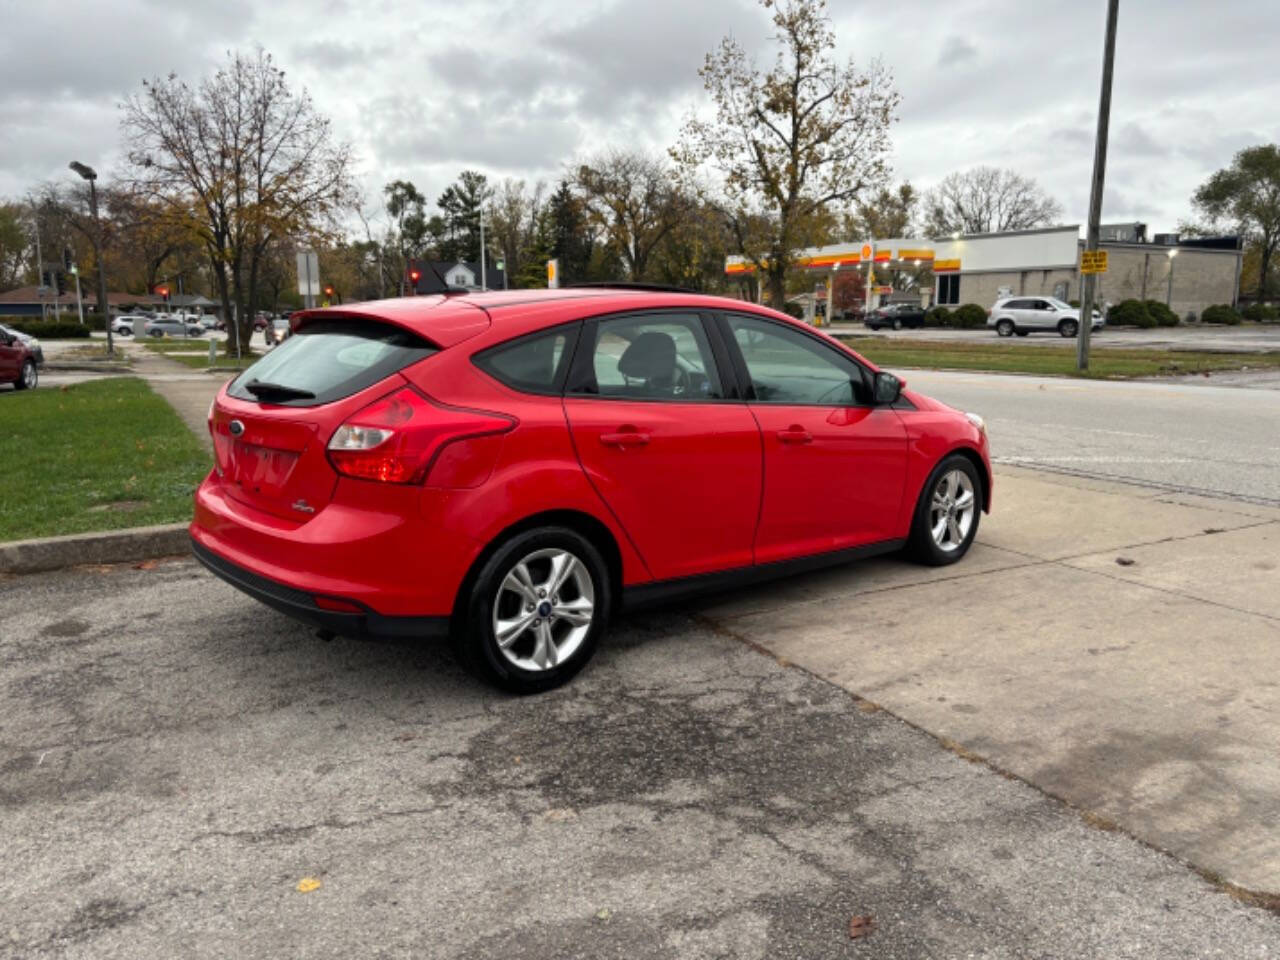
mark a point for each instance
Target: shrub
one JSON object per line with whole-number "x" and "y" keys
{"x": 968, "y": 316}
{"x": 1260, "y": 312}
{"x": 51, "y": 329}
{"x": 1130, "y": 313}
{"x": 1074, "y": 303}
{"x": 1220, "y": 313}
{"x": 1163, "y": 316}
{"x": 938, "y": 316}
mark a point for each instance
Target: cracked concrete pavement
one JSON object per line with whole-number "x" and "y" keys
{"x": 174, "y": 759}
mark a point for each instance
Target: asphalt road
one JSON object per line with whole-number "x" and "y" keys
{"x": 176, "y": 760}
{"x": 1246, "y": 338}
{"x": 1186, "y": 436}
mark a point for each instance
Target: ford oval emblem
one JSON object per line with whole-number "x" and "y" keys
{"x": 236, "y": 428}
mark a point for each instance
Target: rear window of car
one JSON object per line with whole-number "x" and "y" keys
{"x": 331, "y": 359}
{"x": 537, "y": 363}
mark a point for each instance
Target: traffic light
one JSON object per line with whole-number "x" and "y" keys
{"x": 67, "y": 259}
{"x": 60, "y": 281}
{"x": 328, "y": 290}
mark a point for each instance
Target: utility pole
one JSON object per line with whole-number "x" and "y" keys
{"x": 484, "y": 279}
{"x": 75, "y": 272}
{"x": 1095, "y": 197}
{"x": 88, "y": 173}
{"x": 35, "y": 222}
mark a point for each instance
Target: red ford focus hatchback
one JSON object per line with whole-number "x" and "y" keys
{"x": 511, "y": 469}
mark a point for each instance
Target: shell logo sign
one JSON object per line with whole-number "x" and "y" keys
{"x": 866, "y": 251}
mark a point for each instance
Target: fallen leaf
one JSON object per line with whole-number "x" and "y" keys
{"x": 307, "y": 884}
{"x": 1125, "y": 561}
{"x": 146, "y": 565}
{"x": 560, "y": 815}
{"x": 604, "y": 913}
{"x": 860, "y": 926}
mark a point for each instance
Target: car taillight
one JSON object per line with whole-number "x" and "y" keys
{"x": 396, "y": 439}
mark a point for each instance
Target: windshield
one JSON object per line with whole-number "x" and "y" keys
{"x": 330, "y": 359}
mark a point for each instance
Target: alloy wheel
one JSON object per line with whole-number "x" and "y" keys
{"x": 543, "y": 610}
{"x": 952, "y": 510}
{"x": 29, "y": 375}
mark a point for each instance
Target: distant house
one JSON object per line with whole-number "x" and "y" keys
{"x": 458, "y": 273}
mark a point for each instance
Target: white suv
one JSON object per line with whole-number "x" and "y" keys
{"x": 1022, "y": 315}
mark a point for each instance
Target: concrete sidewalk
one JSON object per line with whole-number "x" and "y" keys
{"x": 188, "y": 391}
{"x": 1113, "y": 645}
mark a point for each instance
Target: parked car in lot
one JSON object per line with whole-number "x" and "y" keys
{"x": 168, "y": 326}
{"x": 32, "y": 343}
{"x": 18, "y": 363}
{"x": 1024, "y": 315}
{"x": 276, "y": 332}
{"x": 209, "y": 322}
{"x": 896, "y": 316}
{"x": 127, "y": 323}
{"x": 509, "y": 469}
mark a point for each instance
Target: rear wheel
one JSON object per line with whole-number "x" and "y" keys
{"x": 1005, "y": 328}
{"x": 1068, "y": 328}
{"x": 536, "y": 611}
{"x": 28, "y": 377}
{"x": 946, "y": 518}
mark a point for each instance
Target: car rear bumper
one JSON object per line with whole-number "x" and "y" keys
{"x": 388, "y": 553}
{"x": 302, "y": 606}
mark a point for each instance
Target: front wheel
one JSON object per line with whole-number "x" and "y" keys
{"x": 946, "y": 518}
{"x": 1005, "y": 328}
{"x": 29, "y": 376}
{"x": 537, "y": 611}
{"x": 1068, "y": 328}
{"x": 897, "y": 324}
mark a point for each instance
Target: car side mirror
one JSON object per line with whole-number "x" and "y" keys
{"x": 887, "y": 389}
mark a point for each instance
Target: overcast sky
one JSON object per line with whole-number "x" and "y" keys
{"x": 424, "y": 89}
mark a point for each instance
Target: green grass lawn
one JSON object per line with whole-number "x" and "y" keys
{"x": 194, "y": 353}
{"x": 1051, "y": 361}
{"x": 95, "y": 456}
{"x": 174, "y": 344}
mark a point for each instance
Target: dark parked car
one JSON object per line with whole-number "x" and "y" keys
{"x": 17, "y": 361}
{"x": 896, "y": 315}
{"x": 33, "y": 343}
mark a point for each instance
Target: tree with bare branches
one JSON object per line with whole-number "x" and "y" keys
{"x": 788, "y": 142}
{"x": 243, "y": 163}
{"x": 987, "y": 200}
{"x": 634, "y": 199}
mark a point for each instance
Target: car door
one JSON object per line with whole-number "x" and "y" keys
{"x": 1040, "y": 315}
{"x": 10, "y": 357}
{"x": 834, "y": 464}
{"x": 665, "y": 442}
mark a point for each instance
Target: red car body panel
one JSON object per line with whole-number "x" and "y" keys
{"x": 681, "y": 489}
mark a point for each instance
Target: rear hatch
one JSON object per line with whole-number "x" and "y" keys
{"x": 272, "y": 424}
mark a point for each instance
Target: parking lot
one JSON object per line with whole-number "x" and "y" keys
{"x": 1064, "y": 746}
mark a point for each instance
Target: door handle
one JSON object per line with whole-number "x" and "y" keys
{"x": 795, "y": 434}
{"x": 627, "y": 436}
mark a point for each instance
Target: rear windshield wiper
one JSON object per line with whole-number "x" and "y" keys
{"x": 279, "y": 390}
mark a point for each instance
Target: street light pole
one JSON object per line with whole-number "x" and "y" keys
{"x": 1085, "y": 326}
{"x": 88, "y": 173}
{"x": 1168, "y": 297}
{"x": 484, "y": 279}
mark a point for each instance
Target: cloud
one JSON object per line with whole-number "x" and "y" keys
{"x": 956, "y": 50}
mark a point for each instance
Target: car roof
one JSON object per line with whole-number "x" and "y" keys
{"x": 447, "y": 319}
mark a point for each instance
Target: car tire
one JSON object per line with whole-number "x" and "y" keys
{"x": 1005, "y": 328}
{"x": 547, "y": 650}
{"x": 943, "y": 509}
{"x": 1068, "y": 328}
{"x": 897, "y": 324}
{"x": 28, "y": 376}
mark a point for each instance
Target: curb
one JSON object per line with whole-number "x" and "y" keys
{"x": 55, "y": 366}
{"x": 117, "y": 546}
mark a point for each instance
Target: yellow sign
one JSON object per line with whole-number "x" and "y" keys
{"x": 553, "y": 274}
{"x": 1093, "y": 261}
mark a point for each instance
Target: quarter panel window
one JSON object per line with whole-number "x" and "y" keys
{"x": 535, "y": 364}
{"x": 787, "y": 366}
